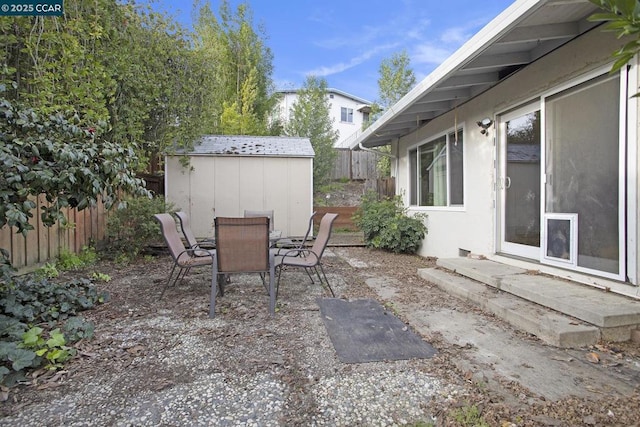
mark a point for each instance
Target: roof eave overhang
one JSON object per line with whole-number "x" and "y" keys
{"x": 496, "y": 51}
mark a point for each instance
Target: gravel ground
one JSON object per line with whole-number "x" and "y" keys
{"x": 164, "y": 362}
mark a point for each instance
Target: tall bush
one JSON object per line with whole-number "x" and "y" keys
{"x": 387, "y": 226}
{"x": 52, "y": 154}
{"x": 132, "y": 227}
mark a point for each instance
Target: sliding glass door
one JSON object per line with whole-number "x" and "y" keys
{"x": 583, "y": 176}
{"x": 561, "y": 178}
{"x": 519, "y": 184}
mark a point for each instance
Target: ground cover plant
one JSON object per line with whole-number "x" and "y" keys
{"x": 40, "y": 322}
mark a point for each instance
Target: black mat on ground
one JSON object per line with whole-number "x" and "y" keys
{"x": 363, "y": 331}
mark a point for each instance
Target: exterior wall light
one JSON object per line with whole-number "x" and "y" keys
{"x": 485, "y": 124}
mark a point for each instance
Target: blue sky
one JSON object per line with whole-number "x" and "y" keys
{"x": 345, "y": 41}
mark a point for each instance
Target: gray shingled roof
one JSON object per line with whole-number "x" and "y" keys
{"x": 269, "y": 146}
{"x": 523, "y": 153}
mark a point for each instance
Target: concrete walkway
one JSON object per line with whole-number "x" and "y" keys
{"x": 559, "y": 312}
{"x": 494, "y": 356}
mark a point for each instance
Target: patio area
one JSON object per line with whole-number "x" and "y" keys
{"x": 164, "y": 362}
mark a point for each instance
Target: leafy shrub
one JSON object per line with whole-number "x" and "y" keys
{"x": 403, "y": 234}
{"x": 132, "y": 227}
{"x": 32, "y": 313}
{"x": 54, "y": 155}
{"x": 49, "y": 270}
{"x": 68, "y": 260}
{"x": 385, "y": 224}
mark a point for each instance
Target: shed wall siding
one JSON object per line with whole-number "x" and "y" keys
{"x": 227, "y": 186}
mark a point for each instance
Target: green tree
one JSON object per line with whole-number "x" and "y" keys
{"x": 241, "y": 66}
{"x": 310, "y": 118}
{"x": 108, "y": 62}
{"x": 395, "y": 81}
{"x": 79, "y": 96}
{"x": 160, "y": 83}
{"x": 240, "y": 118}
{"x": 623, "y": 18}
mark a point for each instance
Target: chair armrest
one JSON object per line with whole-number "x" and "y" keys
{"x": 290, "y": 253}
{"x": 206, "y": 244}
{"x": 294, "y": 253}
{"x": 198, "y": 253}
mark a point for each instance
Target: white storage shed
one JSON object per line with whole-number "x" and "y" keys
{"x": 227, "y": 175}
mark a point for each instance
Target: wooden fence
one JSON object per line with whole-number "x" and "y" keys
{"x": 385, "y": 187}
{"x": 45, "y": 243}
{"x": 342, "y": 222}
{"x": 355, "y": 165}
{"x": 154, "y": 182}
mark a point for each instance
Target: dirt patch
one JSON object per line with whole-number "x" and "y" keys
{"x": 148, "y": 354}
{"x": 339, "y": 193}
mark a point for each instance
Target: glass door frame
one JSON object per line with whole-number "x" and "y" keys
{"x": 623, "y": 180}
{"x": 502, "y": 182}
{"x": 629, "y": 203}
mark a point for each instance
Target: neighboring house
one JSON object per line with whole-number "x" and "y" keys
{"x": 523, "y": 148}
{"x": 227, "y": 175}
{"x": 347, "y": 112}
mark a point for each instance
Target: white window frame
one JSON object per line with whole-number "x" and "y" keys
{"x": 346, "y": 115}
{"x": 416, "y": 147}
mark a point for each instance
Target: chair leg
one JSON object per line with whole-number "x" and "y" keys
{"x": 306, "y": 270}
{"x": 272, "y": 291}
{"x": 279, "y": 268}
{"x": 183, "y": 272}
{"x": 325, "y": 279}
{"x": 186, "y": 271}
{"x": 315, "y": 269}
{"x": 264, "y": 282}
{"x": 221, "y": 282}
{"x": 214, "y": 290}
{"x": 166, "y": 285}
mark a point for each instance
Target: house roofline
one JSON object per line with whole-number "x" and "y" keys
{"x": 332, "y": 90}
{"x": 490, "y": 34}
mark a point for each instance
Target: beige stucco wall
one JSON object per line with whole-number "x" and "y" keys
{"x": 229, "y": 185}
{"x": 473, "y": 227}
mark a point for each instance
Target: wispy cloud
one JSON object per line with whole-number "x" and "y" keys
{"x": 460, "y": 34}
{"x": 342, "y": 66}
{"x": 430, "y": 54}
{"x": 456, "y": 35}
{"x": 407, "y": 27}
{"x": 451, "y": 39}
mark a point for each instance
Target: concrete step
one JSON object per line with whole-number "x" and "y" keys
{"x": 560, "y": 312}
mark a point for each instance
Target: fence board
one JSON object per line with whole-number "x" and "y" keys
{"x": 384, "y": 187}
{"x": 354, "y": 165}
{"x": 342, "y": 222}
{"x": 31, "y": 241}
{"x": 43, "y": 233}
{"x": 45, "y": 243}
